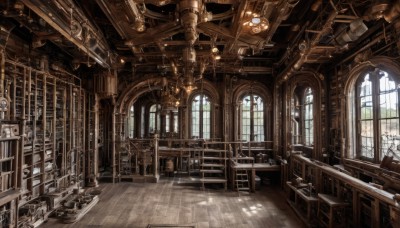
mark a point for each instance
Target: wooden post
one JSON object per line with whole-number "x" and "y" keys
{"x": 155, "y": 159}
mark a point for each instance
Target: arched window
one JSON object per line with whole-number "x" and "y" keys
{"x": 377, "y": 102}
{"x": 154, "y": 118}
{"x": 201, "y": 117}
{"x": 308, "y": 120}
{"x": 131, "y": 122}
{"x": 252, "y": 128}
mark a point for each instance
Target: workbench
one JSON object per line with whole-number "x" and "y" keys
{"x": 253, "y": 167}
{"x": 178, "y": 153}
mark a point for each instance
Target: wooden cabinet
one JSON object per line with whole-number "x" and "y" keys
{"x": 331, "y": 211}
{"x": 395, "y": 216}
{"x": 303, "y": 202}
{"x": 9, "y": 136}
{"x": 41, "y": 140}
{"x": 343, "y": 200}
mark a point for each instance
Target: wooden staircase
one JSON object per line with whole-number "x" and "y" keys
{"x": 213, "y": 167}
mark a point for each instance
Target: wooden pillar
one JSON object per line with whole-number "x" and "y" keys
{"x": 113, "y": 138}
{"x": 155, "y": 159}
{"x": 96, "y": 137}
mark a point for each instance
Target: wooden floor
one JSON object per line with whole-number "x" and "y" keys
{"x": 129, "y": 204}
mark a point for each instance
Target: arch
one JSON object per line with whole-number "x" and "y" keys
{"x": 244, "y": 88}
{"x": 207, "y": 88}
{"x": 247, "y": 87}
{"x": 136, "y": 89}
{"x": 314, "y": 81}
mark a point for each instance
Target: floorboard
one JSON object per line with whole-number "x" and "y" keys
{"x": 129, "y": 204}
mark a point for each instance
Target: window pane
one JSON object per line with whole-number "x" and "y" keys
{"x": 367, "y": 138}
{"x": 143, "y": 126}
{"x": 196, "y": 124}
{"x": 175, "y": 122}
{"x": 196, "y": 117}
{"x": 366, "y": 87}
{"x": 366, "y": 111}
{"x": 246, "y": 104}
{"x": 258, "y": 119}
{"x": 366, "y": 118}
{"x": 167, "y": 121}
{"x": 389, "y": 117}
{"x": 252, "y": 118}
{"x": 206, "y": 124}
{"x": 201, "y": 116}
{"x": 154, "y": 118}
{"x": 131, "y": 122}
{"x": 308, "y": 118}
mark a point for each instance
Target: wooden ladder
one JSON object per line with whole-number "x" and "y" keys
{"x": 242, "y": 181}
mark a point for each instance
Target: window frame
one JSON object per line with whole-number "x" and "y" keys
{"x": 378, "y": 150}
{"x": 202, "y": 97}
{"x": 171, "y": 121}
{"x": 252, "y": 134}
{"x": 308, "y": 132}
{"x": 157, "y": 118}
{"x": 131, "y": 122}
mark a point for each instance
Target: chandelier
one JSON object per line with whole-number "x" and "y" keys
{"x": 169, "y": 99}
{"x": 255, "y": 23}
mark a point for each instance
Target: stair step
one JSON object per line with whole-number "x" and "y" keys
{"x": 213, "y": 158}
{"x": 215, "y": 150}
{"x": 243, "y": 158}
{"x": 213, "y": 180}
{"x": 243, "y": 189}
{"x": 242, "y": 180}
{"x": 241, "y": 174}
{"x": 212, "y": 165}
{"x": 211, "y": 171}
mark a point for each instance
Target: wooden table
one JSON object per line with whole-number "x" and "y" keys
{"x": 253, "y": 167}
{"x": 179, "y": 153}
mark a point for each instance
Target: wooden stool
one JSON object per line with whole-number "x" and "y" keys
{"x": 331, "y": 211}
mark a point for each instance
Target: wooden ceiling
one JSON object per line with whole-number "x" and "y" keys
{"x": 200, "y": 37}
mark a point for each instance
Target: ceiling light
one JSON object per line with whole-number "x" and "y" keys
{"x": 214, "y": 50}
{"x": 255, "y": 23}
{"x": 217, "y": 57}
{"x": 190, "y": 88}
{"x": 256, "y": 20}
{"x": 189, "y": 85}
{"x": 169, "y": 101}
{"x": 139, "y": 25}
